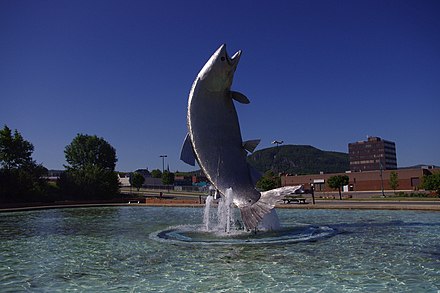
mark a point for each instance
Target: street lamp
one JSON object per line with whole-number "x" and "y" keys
{"x": 163, "y": 162}
{"x": 381, "y": 178}
{"x": 277, "y": 142}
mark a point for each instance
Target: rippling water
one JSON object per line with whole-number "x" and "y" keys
{"x": 110, "y": 249}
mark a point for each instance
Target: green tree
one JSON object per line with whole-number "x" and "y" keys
{"x": 136, "y": 180}
{"x": 90, "y": 173}
{"x": 394, "y": 180}
{"x": 20, "y": 177}
{"x": 337, "y": 182}
{"x": 90, "y": 150}
{"x": 432, "y": 182}
{"x": 268, "y": 181}
{"x": 167, "y": 178}
{"x": 15, "y": 152}
{"x": 156, "y": 173}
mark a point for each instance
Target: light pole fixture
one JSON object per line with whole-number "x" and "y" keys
{"x": 163, "y": 162}
{"x": 277, "y": 142}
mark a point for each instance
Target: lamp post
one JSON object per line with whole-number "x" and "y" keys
{"x": 277, "y": 142}
{"x": 163, "y": 162}
{"x": 381, "y": 178}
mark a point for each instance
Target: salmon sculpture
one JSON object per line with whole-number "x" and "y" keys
{"x": 214, "y": 139}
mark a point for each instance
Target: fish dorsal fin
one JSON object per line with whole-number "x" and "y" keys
{"x": 187, "y": 153}
{"x": 239, "y": 97}
{"x": 250, "y": 145}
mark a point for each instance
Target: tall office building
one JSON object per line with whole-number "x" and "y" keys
{"x": 372, "y": 154}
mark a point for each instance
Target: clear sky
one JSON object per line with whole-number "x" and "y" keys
{"x": 321, "y": 73}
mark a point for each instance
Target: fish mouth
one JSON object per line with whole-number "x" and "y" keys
{"x": 232, "y": 61}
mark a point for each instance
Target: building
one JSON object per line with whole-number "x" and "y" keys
{"x": 181, "y": 180}
{"x": 372, "y": 154}
{"x": 124, "y": 179}
{"x": 408, "y": 180}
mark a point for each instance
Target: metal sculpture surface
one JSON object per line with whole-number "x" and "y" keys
{"x": 214, "y": 138}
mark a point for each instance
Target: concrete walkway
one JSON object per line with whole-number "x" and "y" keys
{"x": 421, "y": 205}
{"x": 368, "y": 204}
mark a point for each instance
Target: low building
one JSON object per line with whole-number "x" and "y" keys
{"x": 408, "y": 179}
{"x": 124, "y": 179}
{"x": 200, "y": 180}
{"x": 181, "y": 180}
{"x": 153, "y": 183}
{"x": 53, "y": 175}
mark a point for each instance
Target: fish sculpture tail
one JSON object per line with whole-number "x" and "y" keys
{"x": 254, "y": 214}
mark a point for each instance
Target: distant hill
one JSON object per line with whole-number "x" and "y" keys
{"x": 299, "y": 159}
{"x": 420, "y": 166}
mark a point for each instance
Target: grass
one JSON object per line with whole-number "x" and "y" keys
{"x": 410, "y": 196}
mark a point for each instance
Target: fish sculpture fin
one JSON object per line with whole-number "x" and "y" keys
{"x": 252, "y": 215}
{"x": 239, "y": 97}
{"x": 187, "y": 153}
{"x": 250, "y": 145}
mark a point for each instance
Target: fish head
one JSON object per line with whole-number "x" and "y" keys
{"x": 218, "y": 72}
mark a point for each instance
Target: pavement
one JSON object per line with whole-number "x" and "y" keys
{"x": 192, "y": 201}
{"x": 424, "y": 205}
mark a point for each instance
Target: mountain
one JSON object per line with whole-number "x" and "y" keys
{"x": 419, "y": 166}
{"x": 299, "y": 159}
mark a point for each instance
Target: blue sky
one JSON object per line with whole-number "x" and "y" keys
{"x": 320, "y": 73}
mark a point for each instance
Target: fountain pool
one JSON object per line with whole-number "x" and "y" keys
{"x": 114, "y": 249}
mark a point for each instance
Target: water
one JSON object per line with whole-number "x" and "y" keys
{"x": 226, "y": 221}
{"x": 221, "y": 222}
{"x": 225, "y": 212}
{"x": 207, "y": 213}
{"x": 224, "y": 228}
{"x": 110, "y": 249}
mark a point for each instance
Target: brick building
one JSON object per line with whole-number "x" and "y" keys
{"x": 373, "y": 154}
{"x": 408, "y": 179}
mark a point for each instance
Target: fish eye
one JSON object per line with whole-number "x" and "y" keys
{"x": 250, "y": 200}
{"x": 223, "y": 58}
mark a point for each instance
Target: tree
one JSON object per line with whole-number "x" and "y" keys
{"x": 167, "y": 178}
{"x": 20, "y": 177}
{"x": 15, "y": 152}
{"x": 91, "y": 182}
{"x": 90, "y": 150}
{"x": 337, "y": 182}
{"x": 136, "y": 180}
{"x": 268, "y": 181}
{"x": 156, "y": 173}
{"x": 432, "y": 182}
{"x": 90, "y": 173}
{"x": 394, "y": 180}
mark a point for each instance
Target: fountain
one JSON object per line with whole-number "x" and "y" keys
{"x": 226, "y": 217}
{"x": 221, "y": 226}
{"x": 206, "y": 213}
